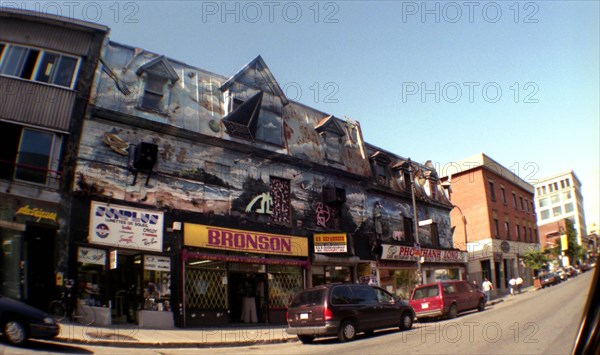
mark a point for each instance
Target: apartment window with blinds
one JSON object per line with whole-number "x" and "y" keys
{"x": 38, "y": 65}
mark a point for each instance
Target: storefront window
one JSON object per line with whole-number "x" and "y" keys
{"x": 404, "y": 281}
{"x": 10, "y": 260}
{"x": 206, "y": 285}
{"x": 91, "y": 272}
{"x": 284, "y": 282}
{"x": 157, "y": 283}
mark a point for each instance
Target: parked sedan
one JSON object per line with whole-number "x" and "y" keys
{"x": 549, "y": 279}
{"x": 20, "y": 322}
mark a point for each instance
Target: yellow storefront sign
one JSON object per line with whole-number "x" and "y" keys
{"x": 197, "y": 235}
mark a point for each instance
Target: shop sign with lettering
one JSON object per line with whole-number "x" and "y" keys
{"x": 202, "y": 236}
{"x": 157, "y": 263}
{"x": 399, "y": 252}
{"x": 126, "y": 227}
{"x": 330, "y": 243}
{"x": 91, "y": 256}
{"x": 113, "y": 259}
{"x": 37, "y": 213}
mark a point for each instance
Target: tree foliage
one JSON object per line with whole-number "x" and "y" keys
{"x": 536, "y": 260}
{"x": 574, "y": 251}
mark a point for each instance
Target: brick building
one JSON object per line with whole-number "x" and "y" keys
{"x": 494, "y": 216}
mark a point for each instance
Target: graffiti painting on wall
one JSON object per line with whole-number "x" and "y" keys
{"x": 323, "y": 214}
{"x": 280, "y": 195}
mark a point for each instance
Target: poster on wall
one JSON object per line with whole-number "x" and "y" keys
{"x": 125, "y": 227}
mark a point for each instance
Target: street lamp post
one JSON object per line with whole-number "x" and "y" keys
{"x": 464, "y": 220}
{"x": 415, "y": 219}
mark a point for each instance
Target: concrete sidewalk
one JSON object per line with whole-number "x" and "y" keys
{"x": 132, "y": 336}
{"x": 230, "y": 335}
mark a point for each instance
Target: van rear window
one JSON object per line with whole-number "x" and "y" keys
{"x": 308, "y": 298}
{"x": 426, "y": 292}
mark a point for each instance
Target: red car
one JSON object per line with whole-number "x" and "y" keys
{"x": 446, "y": 299}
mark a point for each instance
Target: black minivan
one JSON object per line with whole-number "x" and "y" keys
{"x": 345, "y": 310}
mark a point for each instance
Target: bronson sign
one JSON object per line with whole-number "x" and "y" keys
{"x": 197, "y": 235}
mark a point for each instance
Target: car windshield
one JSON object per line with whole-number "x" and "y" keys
{"x": 308, "y": 298}
{"x": 426, "y": 292}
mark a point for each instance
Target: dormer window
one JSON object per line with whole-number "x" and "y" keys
{"x": 333, "y": 147}
{"x": 154, "y": 92}
{"x": 158, "y": 77}
{"x": 402, "y": 174}
{"x": 254, "y": 104}
{"x": 331, "y": 130}
{"x": 433, "y": 183}
{"x": 380, "y": 162}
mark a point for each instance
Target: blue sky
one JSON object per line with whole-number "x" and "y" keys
{"x": 434, "y": 80}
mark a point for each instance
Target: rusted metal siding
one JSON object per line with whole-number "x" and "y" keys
{"x": 45, "y": 36}
{"x": 36, "y": 104}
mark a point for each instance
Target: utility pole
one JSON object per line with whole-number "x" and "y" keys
{"x": 415, "y": 219}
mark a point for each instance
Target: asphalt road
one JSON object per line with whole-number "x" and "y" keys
{"x": 536, "y": 322}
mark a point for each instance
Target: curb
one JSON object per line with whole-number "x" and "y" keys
{"x": 166, "y": 345}
{"x": 494, "y": 302}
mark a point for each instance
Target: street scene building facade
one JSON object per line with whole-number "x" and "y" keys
{"x": 494, "y": 213}
{"x": 201, "y": 199}
{"x": 47, "y": 64}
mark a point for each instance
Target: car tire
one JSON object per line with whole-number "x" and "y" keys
{"x": 452, "y": 312}
{"x": 347, "y": 331}
{"x": 306, "y": 339}
{"x": 406, "y": 321}
{"x": 15, "y": 332}
{"x": 481, "y": 305}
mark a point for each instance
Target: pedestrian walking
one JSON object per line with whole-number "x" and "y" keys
{"x": 519, "y": 284}
{"x": 487, "y": 287}
{"x": 513, "y": 284}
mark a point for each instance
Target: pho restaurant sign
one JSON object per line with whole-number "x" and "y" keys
{"x": 405, "y": 253}
{"x": 197, "y": 235}
{"x": 331, "y": 243}
{"x": 125, "y": 227}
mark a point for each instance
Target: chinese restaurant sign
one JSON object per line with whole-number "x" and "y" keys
{"x": 330, "y": 243}
{"x": 202, "y": 236}
{"x": 399, "y": 252}
{"x": 126, "y": 227}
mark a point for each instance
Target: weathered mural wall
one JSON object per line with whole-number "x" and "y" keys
{"x": 273, "y": 173}
{"x": 198, "y": 177}
{"x": 198, "y": 101}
